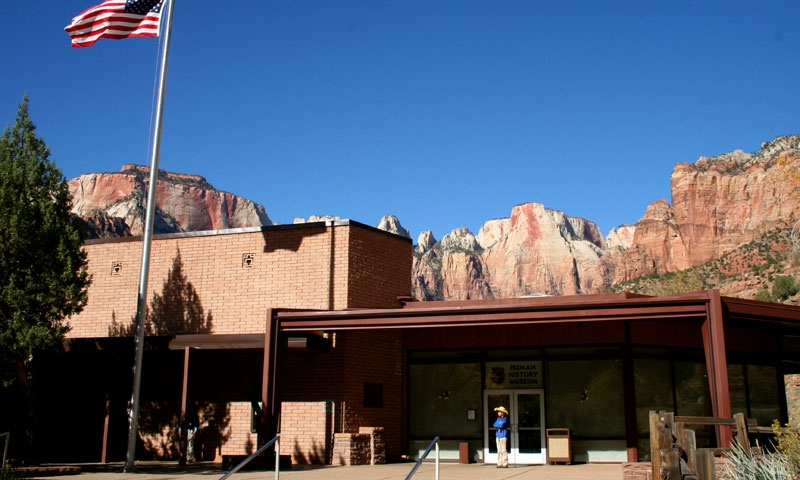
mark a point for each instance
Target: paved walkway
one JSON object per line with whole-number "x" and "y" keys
{"x": 392, "y": 471}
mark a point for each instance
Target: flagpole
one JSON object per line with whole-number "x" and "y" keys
{"x": 141, "y": 306}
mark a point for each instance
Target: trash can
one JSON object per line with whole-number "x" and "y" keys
{"x": 559, "y": 445}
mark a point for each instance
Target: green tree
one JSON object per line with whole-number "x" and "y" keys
{"x": 43, "y": 274}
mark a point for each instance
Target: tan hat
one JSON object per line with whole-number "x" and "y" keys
{"x": 501, "y": 409}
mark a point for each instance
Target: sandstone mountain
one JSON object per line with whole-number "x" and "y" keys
{"x": 728, "y": 226}
{"x": 112, "y": 204}
{"x": 720, "y": 206}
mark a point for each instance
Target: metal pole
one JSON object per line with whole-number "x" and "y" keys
{"x": 437, "y": 460}
{"x": 141, "y": 306}
{"x": 278, "y": 456}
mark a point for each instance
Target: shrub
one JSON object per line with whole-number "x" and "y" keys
{"x": 789, "y": 444}
{"x": 784, "y": 287}
{"x": 763, "y": 296}
{"x": 766, "y": 466}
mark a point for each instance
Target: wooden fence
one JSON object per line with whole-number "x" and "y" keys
{"x": 673, "y": 447}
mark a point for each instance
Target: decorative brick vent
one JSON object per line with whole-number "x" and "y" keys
{"x": 116, "y": 268}
{"x": 248, "y": 260}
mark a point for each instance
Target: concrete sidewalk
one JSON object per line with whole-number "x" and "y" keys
{"x": 392, "y": 471}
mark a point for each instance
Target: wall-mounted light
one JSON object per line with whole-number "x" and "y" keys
{"x": 445, "y": 395}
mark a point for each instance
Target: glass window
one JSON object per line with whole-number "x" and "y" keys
{"x": 693, "y": 398}
{"x": 737, "y": 389}
{"x": 586, "y": 396}
{"x": 653, "y": 383}
{"x": 763, "y": 383}
{"x": 691, "y": 389}
{"x": 440, "y": 396}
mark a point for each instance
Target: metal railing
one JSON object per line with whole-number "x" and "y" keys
{"x": 258, "y": 452}
{"x": 435, "y": 442}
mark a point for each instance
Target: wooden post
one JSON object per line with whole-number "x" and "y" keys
{"x": 706, "y": 468}
{"x": 742, "y": 436}
{"x": 668, "y": 464}
{"x": 669, "y": 420}
{"x": 655, "y": 456}
{"x": 678, "y": 431}
{"x": 689, "y": 444}
{"x": 672, "y": 464}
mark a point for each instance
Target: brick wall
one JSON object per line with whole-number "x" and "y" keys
{"x": 239, "y": 439}
{"x": 306, "y": 431}
{"x": 644, "y": 470}
{"x": 351, "y": 449}
{"x": 376, "y": 268}
{"x": 234, "y": 276}
{"x": 375, "y": 357}
{"x": 363, "y": 448}
{"x": 358, "y": 358}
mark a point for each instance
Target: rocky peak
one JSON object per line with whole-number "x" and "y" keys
{"x": 620, "y": 237}
{"x": 460, "y": 239}
{"x": 391, "y": 224}
{"x": 183, "y": 203}
{"x": 317, "y": 218}
{"x": 425, "y": 242}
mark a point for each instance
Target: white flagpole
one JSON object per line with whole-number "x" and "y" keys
{"x": 141, "y": 307}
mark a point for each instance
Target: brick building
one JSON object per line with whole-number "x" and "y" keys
{"x": 210, "y": 294}
{"x": 309, "y": 330}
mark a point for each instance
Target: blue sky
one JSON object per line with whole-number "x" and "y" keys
{"x": 444, "y": 113}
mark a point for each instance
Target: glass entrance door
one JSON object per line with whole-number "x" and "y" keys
{"x": 526, "y": 425}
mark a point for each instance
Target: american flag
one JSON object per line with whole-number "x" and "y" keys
{"x": 115, "y": 19}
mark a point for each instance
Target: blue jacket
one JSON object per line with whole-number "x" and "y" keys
{"x": 501, "y": 426}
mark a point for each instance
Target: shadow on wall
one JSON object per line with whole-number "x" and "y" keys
{"x": 315, "y": 455}
{"x": 159, "y": 432}
{"x": 290, "y": 240}
{"x": 213, "y": 432}
{"x": 177, "y": 310}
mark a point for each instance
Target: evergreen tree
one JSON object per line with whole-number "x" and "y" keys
{"x": 43, "y": 274}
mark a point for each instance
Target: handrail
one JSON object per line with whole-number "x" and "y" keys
{"x": 435, "y": 441}
{"x": 5, "y": 448}
{"x": 247, "y": 460}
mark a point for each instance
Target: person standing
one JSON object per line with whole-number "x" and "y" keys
{"x": 501, "y": 434}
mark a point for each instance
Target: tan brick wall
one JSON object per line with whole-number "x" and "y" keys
{"x": 351, "y": 449}
{"x": 238, "y": 438}
{"x": 306, "y": 266}
{"x": 306, "y": 431}
{"x": 375, "y": 268}
{"x": 375, "y": 357}
{"x": 357, "y": 358}
{"x": 644, "y": 470}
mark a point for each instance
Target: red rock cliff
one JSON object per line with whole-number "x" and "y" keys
{"x": 183, "y": 203}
